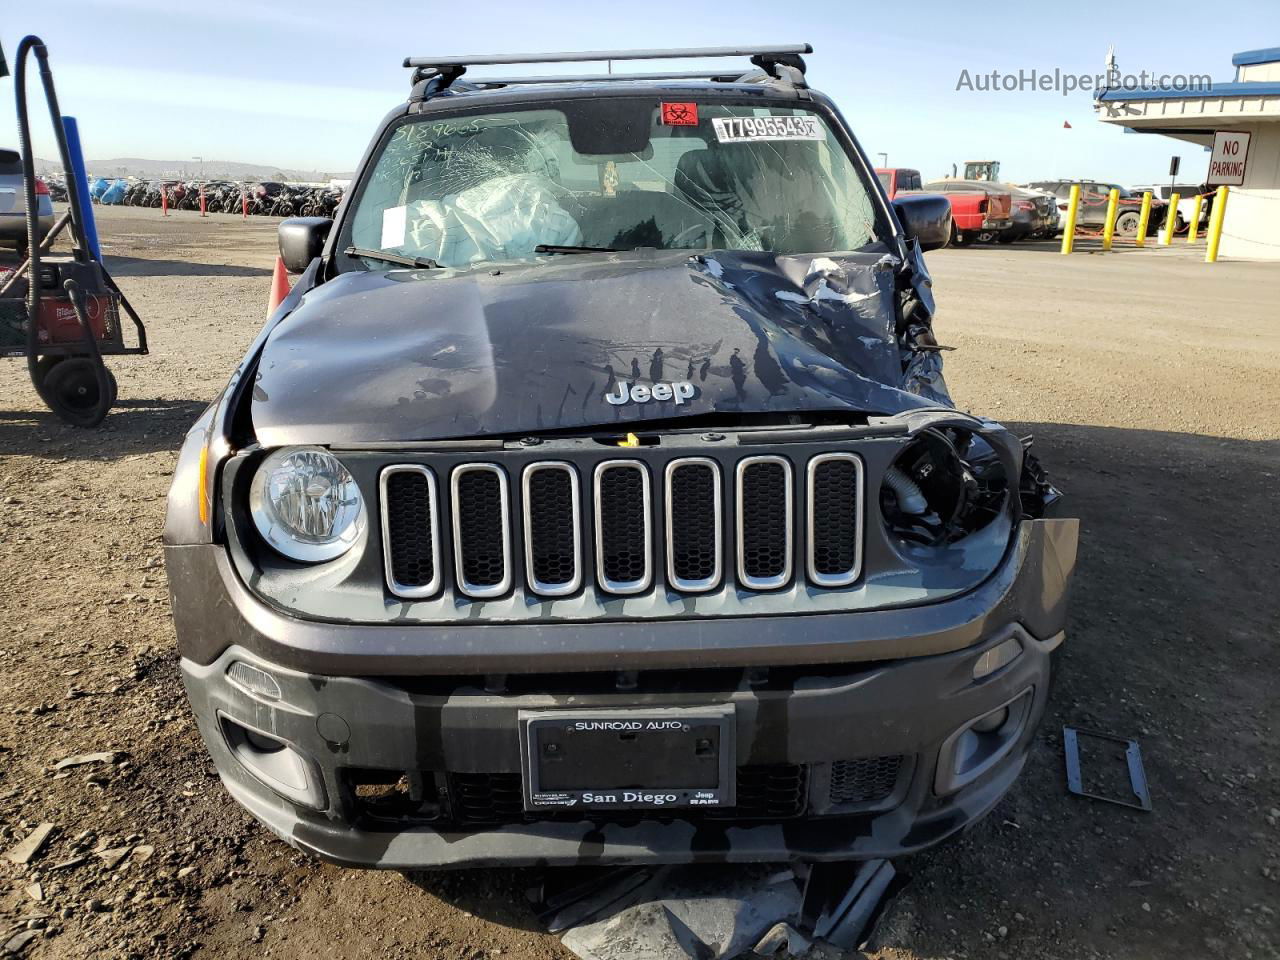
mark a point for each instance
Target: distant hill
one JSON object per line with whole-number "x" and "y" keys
{"x": 190, "y": 169}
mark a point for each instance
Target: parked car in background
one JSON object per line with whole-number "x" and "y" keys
{"x": 1187, "y": 193}
{"x": 1035, "y": 215}
{"x": 895, "y": 179}
{"x": 1092, "y": 212}
{"x": 13, "y": 207}
{"x": 979, "y": 210}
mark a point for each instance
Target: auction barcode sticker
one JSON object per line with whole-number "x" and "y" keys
{"x": 747, "y": 129}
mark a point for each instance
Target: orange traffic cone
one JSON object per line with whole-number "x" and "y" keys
{"x": 279, "y": 287}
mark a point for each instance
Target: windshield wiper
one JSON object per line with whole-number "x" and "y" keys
{"x": 390, "y": 257}
{"x": 557, "y": 248}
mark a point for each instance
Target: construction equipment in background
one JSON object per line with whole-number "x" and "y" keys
{"x": 988, "y": 170}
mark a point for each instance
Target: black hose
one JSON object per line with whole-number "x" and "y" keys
{"x": 81, "y": 248}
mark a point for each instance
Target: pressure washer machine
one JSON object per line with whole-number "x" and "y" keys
{"x": 62, "y": 313}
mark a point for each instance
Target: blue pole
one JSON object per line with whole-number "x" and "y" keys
{"x": 81, "y": 179}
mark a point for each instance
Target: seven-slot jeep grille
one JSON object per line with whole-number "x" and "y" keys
{"x": 702, "y": 513}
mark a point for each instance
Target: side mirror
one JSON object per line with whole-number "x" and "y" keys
{"x": 301, "y": 240}
{"x": 924, "y": 216}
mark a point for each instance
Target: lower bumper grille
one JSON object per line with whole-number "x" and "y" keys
{"x": 770, "y": 791}
{"x": 865, "y": 780}
{"x": 487, "y": 797}
{"x": 776, "y": 790}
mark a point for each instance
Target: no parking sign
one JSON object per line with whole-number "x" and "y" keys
{"x": 1227, "y": 162}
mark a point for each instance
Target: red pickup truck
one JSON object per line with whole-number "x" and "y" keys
{"x": 978, "y": 208}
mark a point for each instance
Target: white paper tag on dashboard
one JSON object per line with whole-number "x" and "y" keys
{"x": 749, "y": 129}
{"x": 394, "y": 220}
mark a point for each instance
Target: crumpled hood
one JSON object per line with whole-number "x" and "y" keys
{"x": 438, "y": 354}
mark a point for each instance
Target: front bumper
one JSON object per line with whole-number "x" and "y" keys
{"x": 413, "y": 703}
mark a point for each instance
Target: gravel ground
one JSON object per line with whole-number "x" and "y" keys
{"x": 1152, "y": 384}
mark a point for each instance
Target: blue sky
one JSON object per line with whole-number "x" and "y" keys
{"x": 304, "y": 85}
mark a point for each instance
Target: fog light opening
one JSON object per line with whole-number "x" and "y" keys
{"x": 978, "y": 746}
{"x": 274, "y": 762}
{"x": 992, "y": 722}
{"x": 262, "y": 744}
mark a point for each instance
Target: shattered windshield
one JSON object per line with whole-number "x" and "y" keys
{"x": 612, "y": 174}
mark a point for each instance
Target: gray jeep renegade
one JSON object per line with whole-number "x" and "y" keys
{"x": 596, "y": 496}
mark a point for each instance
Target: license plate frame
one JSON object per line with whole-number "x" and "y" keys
{"x": 561, "y": 750}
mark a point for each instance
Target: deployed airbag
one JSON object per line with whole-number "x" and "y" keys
{"x": 504, "y": 217}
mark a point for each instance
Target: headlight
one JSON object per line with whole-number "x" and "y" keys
{"x": 306, "y": 505}
{"x": 945, "y": 485}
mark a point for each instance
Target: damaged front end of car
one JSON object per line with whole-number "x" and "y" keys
{"x": 601, "y": 554}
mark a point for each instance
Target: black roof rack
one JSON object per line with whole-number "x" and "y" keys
{"x": 605, "y": 77}
{"x": 782, "y": 61}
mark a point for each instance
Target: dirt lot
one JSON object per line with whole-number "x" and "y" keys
{"x": 1152, "y": 384}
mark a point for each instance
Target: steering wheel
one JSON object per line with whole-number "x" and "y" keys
{"x": 681, "y": 239}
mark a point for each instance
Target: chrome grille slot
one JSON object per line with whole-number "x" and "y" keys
{"x": 410, "y": 530}
{"x": 693, "y": 510}
{"x": 481, "y": 530}
{"x": 835, "y": 507}
{"x": 624, "y": 538}
{"x": 764, "y": 522}
{"x": 552, "y": 528}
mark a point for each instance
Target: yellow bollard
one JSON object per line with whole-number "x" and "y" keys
{"x": 1193, "y": 229}
{"x": 1141, "y": 239}
{"x": 1215, "y": 225}
{"x": 1109, "y": 231}
{"x": 1069, "y": 231}
{"x": 1171, "y": 219}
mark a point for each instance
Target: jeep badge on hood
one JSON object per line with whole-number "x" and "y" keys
{"x": 679, "y": 391}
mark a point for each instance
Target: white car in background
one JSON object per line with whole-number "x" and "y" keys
{"x": 13, "y": 205}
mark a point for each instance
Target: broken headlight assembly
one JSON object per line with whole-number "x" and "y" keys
{"x": 945, "y": 485}
{"x": 306, "y": 505}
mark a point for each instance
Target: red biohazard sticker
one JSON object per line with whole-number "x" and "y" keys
{"x": 680, "y": 114}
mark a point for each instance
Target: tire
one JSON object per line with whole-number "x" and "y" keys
{"x": 960, "y": 238}
{"x": 1006, "y": 238}
{"x": 1127, "y": 223}
{"x": 71, "y": 391}
{"x": 43, "y": 366}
